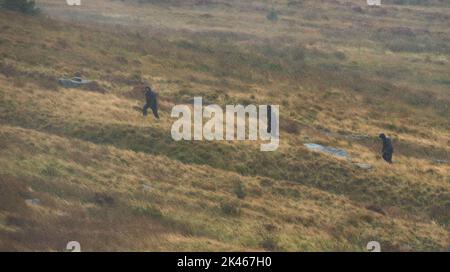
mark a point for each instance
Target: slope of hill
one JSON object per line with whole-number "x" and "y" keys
{"x": 114, "y": 180}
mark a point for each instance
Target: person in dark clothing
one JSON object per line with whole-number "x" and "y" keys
{"x": 388, "y": 149}
{"x": 269, "y": 119}
{"x": 151, "y": 102}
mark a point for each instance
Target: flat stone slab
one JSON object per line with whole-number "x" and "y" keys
{"x": 75, "y": 82}
{"x": 365, "y": 166}
{"x": 328, "y": 150}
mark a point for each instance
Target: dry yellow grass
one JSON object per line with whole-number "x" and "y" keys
{"x": 89, "y": 157}
{"x": 183, "y": 201}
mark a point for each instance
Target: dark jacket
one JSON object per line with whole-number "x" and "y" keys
{"x": 151, "y": 102}
{"x": 387, "y": 145}
{"x": 150, "y": 97}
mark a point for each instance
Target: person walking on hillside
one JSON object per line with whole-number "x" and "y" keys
{"x": 151, "y": 102}
{"x": 388, "y": 149}
{"x": 269, "y": 118}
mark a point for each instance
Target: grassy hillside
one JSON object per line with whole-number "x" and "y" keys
{"x": 114, "y": 180}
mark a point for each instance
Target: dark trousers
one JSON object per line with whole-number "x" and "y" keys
{"x": 154, "y": 110}
{"x": 387, "y": 156}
